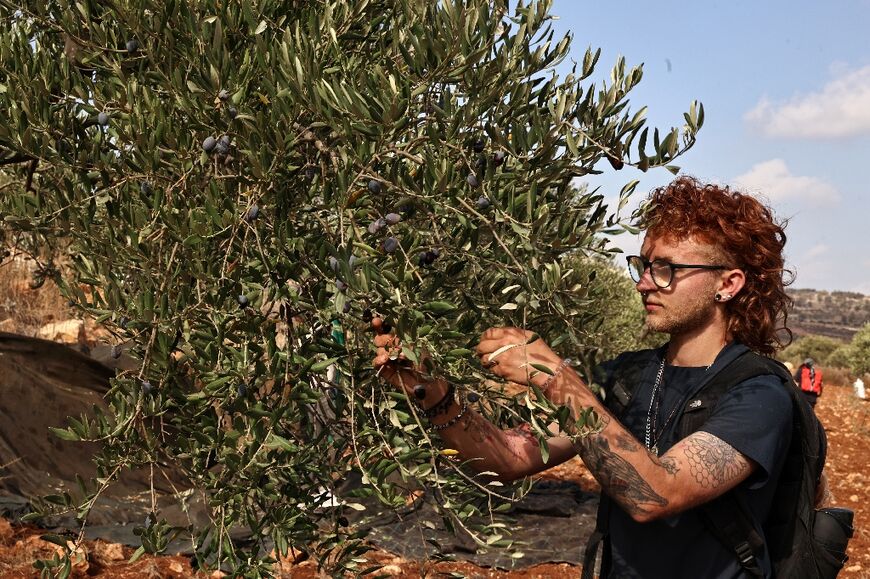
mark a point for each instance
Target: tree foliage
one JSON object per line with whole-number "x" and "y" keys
{"x": 235, "y": 186}
{"x": 859, "y": 351}
{"x": 617, "y": 313}
{"x": 840, "y": 357}
{"x": 811, "y": 346}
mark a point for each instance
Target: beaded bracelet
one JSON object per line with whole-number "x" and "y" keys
{"x": 550, "y": 379}
{"x": 462, "y": 410}
{"x": 440, "y": 407}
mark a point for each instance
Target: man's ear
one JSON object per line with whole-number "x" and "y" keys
{"x": 731, "y": 282}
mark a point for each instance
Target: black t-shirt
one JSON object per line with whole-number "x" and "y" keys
{"x": 754, "y": 418}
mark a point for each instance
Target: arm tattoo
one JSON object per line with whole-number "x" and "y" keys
{"x": 480, "y": 429}
{"x": 523, "y": 432}
{"x": 666, "y": 462}
{"x": 626, "y": 442}
{"x": 483, "y": 431}
{"x": 711, "y": 460}
{"x": 619, "y": 479}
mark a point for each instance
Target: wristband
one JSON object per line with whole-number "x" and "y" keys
{"x": 440, "y": 407}
{"x": 462, "y": 410}
{"x": 552, "y": 378}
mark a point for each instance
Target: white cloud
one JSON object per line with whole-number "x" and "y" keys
{"x": 817, "y": 251}
{"x": 774, "y": 180}
{"x": 840, "y": 109}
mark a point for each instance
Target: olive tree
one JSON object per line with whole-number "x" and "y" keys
{"x": 236, "y": 187}
{"x": 811, "y": 346}
{"x": 859, "y": 351}
{"x": 618, "y": 314}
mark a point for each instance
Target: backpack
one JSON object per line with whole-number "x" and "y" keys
{"x": 796, "y": 552}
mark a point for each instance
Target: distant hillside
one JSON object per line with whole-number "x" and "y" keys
{"x": 834, "y": 314}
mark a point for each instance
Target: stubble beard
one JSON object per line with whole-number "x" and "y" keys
{"x": 681, "y": 318}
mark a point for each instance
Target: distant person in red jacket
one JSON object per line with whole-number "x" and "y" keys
{"x": 810, "y": 379}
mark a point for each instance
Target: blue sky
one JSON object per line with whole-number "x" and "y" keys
{"x": 786, "y": 92}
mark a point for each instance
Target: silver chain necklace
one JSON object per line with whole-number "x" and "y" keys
{"x": 648, "y": 441}
{"x": 650, "y": 437}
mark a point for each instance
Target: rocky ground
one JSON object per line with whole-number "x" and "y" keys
{"x": 847, "y": 421}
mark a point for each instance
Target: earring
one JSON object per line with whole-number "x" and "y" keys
{"x": 728, "y": 297}
{"x": 718, "y": 297}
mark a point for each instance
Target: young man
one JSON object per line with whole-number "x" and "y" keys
{"x": 710, "y": 274}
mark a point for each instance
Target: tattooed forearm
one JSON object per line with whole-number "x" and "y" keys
{"x": 523, "y": 434}
{"x": 712, "y": 461}
{"x": 618, "y": 478}
{"x": 513, "y": 444}
{"x": 626, "y": 442}
{"x": 666, "y": 462}
{"x": 480, "y": 429}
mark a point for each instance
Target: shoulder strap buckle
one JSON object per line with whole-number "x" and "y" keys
{"x": 744, "y": 553}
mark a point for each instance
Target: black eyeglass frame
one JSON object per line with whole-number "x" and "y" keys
{"x": 647, "y": 264}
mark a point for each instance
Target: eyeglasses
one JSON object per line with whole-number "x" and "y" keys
{"x": 661, "y": 271}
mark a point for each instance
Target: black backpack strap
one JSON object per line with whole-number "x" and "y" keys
{"x": 727, "y": 517}
{"x": 747, "y": 365}
{"x": 619, "y": 389}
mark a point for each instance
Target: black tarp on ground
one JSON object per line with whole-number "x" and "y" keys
{"x": 42, "y": 383}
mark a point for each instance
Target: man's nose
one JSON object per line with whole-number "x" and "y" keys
{"x": 646, "y": 283}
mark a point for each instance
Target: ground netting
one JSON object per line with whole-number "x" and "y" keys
{"x": 42, "y": 383}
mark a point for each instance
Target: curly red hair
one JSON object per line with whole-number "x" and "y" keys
{"x": 746, "y": 235}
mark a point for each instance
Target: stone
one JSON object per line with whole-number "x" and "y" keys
{"x": 176, "y": 567}
{"x": 65, "y": 332}
{"x": 107, "y": 552}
